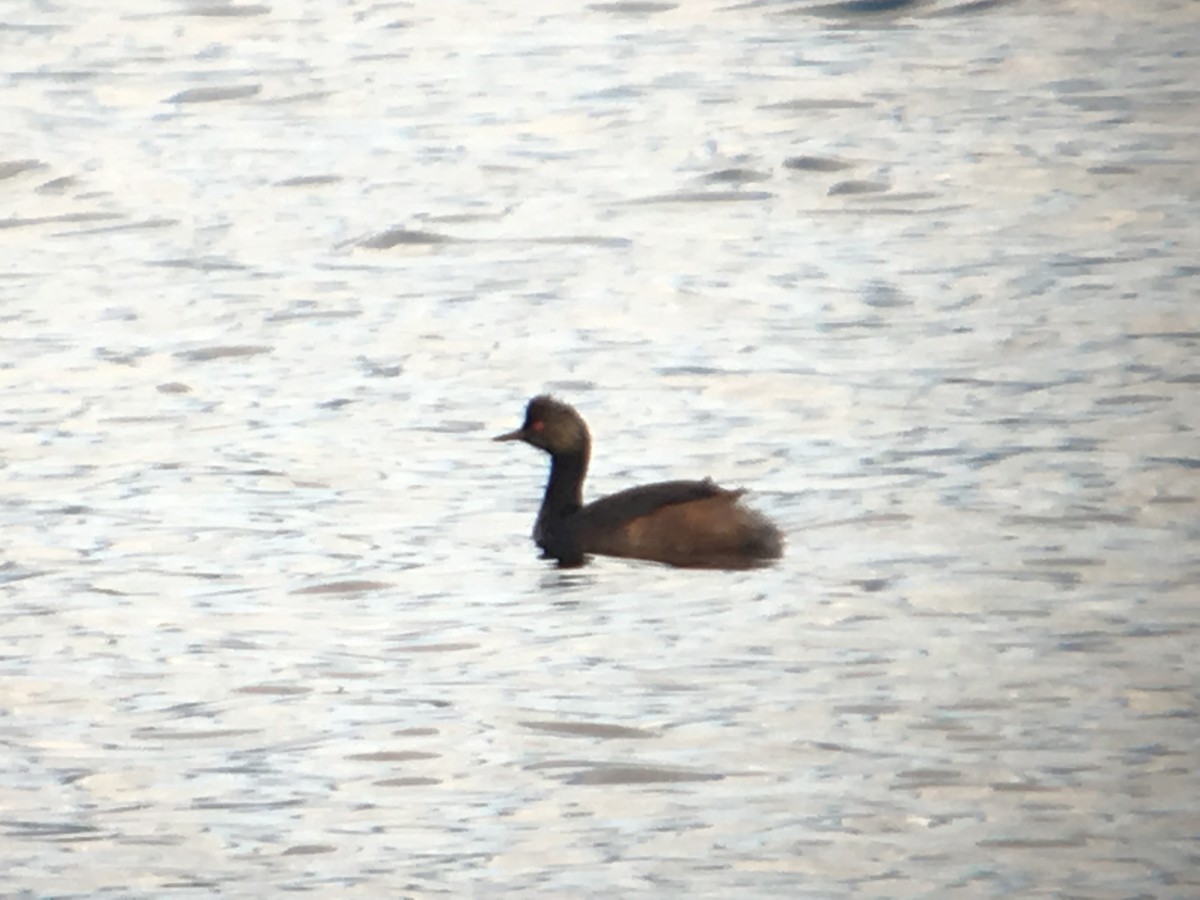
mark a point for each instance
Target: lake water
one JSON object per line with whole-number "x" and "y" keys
{"x": 922, "y": 275}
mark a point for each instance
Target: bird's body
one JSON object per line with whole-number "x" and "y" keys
{"x": 682, "y": 523}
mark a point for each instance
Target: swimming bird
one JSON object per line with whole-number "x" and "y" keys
{"x": 694, "y": 524}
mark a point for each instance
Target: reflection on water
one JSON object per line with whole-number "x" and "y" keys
{"x": 274, "y": 619}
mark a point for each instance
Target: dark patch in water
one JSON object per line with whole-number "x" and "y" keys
{"x": 1022, "y": 787}
{"x": 584, "y": 240}
{"x": 379, "y": 370}
{"x": 215, "y": 94}
{"x": 162, "y": 734}
{"x": 201, "y": 264}
{"x": 815, "y": 164}
{"x": 309, "y": 849}
{"x": 58, "y": 185}
{"x": 1033, "y": 843}
{"x": 632, "y": 7}
{"x": 736, "y": 176}
{"x": 208, "y": 354}
{"x": 304, "y": 315}
{"x": 309, "y": 181}
{"x": 262, "y": 806}
{"x": 143, "y": 225}
{"x": 67, "y": 218}
{"x": 1183, "y": 462}
{"x": 229, "y": 10}
{"x": 857, "y": 187}
{"x": 26, "y": 828}
{"x": 343, "y": 587}
{"x": 966, "y": 9}
{"x": 11, "y": 573}
{"x": 393, "y": 237}
{"x": 12, "y": 168}
{"x": 689, "y": 370}
{"x": 848, "y": 8}
{"x": 920, "y": 778}
{"x": 589, "y": 729}
{"x": 392, "y": 756}
{"x": 606, "y": 774}
{"x": 445, "y": 647}
{"x": 871, "y": 585}
{"x": 806, "y": 104}
{"x": 409, "y": 781}
{"x": 274, "y": 690}
{"x": 454, "y": 427}
{"x": 703, "y": 197}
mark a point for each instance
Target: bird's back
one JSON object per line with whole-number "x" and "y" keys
{"x": 684, "y": 523}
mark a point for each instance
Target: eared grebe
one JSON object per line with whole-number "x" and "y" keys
{"x": 682, "y": 523}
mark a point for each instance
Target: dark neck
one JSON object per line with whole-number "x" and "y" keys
{"x": 564, "y": 490}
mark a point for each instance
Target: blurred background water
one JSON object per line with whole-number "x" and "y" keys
{"x": 922, "y": 275}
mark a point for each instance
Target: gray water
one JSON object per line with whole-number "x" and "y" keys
{"x": 923, "y": 276}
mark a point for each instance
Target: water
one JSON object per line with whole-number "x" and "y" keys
{"x": 923, "y": 276}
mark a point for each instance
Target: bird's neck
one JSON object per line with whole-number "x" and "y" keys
{"x": 564, "y": 490}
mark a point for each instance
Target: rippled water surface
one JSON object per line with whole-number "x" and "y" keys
{"x": 923, "y": 275}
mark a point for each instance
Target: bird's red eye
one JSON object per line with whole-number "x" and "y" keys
{"x": 537, "y": 425}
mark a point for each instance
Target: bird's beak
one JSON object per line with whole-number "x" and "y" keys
{"x": 518, "y": 435}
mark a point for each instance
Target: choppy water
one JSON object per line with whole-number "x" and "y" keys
{"x": 923, "y": 275}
